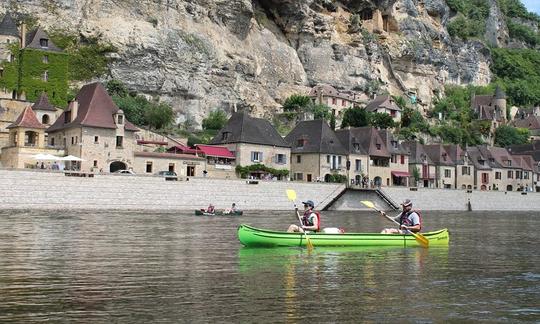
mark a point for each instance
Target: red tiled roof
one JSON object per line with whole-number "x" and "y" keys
{"x": 218, "y": 151}
{"x": 168, "y": 156}
{"x": 27, "y": 119}
{"x": 182, "y": 149}
{"x": 43, "y": 103}
{"x": 96, "y": 109}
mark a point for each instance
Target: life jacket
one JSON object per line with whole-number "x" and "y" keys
{"x": 306, "y": 222}
{"x": 404, "y": 218}
{"x": 210, "y": 209}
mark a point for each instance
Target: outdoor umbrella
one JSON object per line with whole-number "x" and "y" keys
{"x": 72, "y": 158}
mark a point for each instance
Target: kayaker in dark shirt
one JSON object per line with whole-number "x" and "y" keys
{"x": 310, "y": 221}
{"x": 408, "y": 219}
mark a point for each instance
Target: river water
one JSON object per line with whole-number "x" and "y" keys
{"x": 141, "y": 267}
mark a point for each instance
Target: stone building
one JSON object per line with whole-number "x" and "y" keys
{"x": 464, "y": 168}
{"x": 357, "y": 156}
{"x": 96, "y": 130}
{"x": 385, "y": 104}
{"x": 338, "y": 101}
{"x": 254, "y": 141}
{"x": 26, "y": 139}
{"x": 445, "y": 171}
{"x": 9, "y": 36}
{"x": 399, "y": 159}
{"x": 491, "y": 108}
{"x": 532, "y": 123}
{"x": 420, "y": 165}
{"x": 316, "y": 152}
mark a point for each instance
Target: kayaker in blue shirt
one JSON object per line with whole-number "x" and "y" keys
{"x": 311, "y": 221}
{"x": 408, "y": 219}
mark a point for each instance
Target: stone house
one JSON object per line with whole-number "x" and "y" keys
{"x": 254, "y": 141}
{"x": 316, "y": 153}
{"x": 510, "y": 177}
{"x": 491, "y": 108}
{"x": 26, "y": 139}
{"x": 378, "y": 168}
{"x": 385, "y": 104}
{"x": 419, "y": 161}
{"x": 464, "y": 168}
{"x": 483, "y": 169}
{"x": 357, "y": 156}
{"x": 445, "y": 171}
{"x": 45, "y": 112}
{"x": 96, "y": 130}
{"x": 399, "y": 160}
{"x": 532, "y": 123}
{"x": 186, "y": 165}
{"x": 219, "y": 162}
{"x": 337, "y": 100}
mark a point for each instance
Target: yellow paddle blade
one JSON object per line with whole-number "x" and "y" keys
{"x": 291, "y": 194}
{"x": 421, "y": 239}
{"x": 368, "y": 203}
{"x": 308, "y": 243}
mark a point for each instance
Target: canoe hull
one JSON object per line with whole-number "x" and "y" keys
{"x": 218, "y": 213}
{"x": 254, "y": 237}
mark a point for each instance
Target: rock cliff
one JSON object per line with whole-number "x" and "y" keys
{"x": 200, "y": 55}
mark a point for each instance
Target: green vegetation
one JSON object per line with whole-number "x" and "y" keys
{"x": 518, "y": 73}
{"x": 508, "y": 135}
{"x": 243, "y": 172}
{"x": 215, "y": 120}
{"x": 298, "y": 104}
{"x": 140, "y": 110}
{"x": 359, "y": 117}
{"x": 471, "y": 19}
{"x": 523, "y": 32}
{"x": 516, "y": 9}
{"x": 87, "y": 56}
{"x": 337, "y": 178}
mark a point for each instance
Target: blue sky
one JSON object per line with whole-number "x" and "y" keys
{"x": 532, "y": 5}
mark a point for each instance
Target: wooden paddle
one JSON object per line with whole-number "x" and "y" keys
{"x": 421, "y": 239}
{"x": 291, "y": 194}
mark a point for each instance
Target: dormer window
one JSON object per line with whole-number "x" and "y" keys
{"x": 356, "y": 146}
{"x": 67, "y": 117}
{"x": 378, "y": 146}
{"x": 491, "y": 160}
{"x": 225, "y": 136}
{"x": 301, "y": 142}
{"x": 394, "y": 144}
{"x": 44, "y": 42}
{"x": 509, "y": 163}
{"x": 120, "y": 119}
{"x": 444, "y": 156}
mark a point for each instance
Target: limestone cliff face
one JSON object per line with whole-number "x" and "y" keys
{"x": 200, "y": 55}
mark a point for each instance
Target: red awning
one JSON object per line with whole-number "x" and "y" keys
{"x": 217, "y": 151}
{"x": 182, "y": 149}
{"x": 401, "y": 174}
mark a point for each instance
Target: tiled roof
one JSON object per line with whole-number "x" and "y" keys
{"x": 43, "y": 103}
{"x": 499, "y": 93}
{"x": 8, "y": 27}
{"x": 531, "y": 122}
{"x": 33, "y": 41}
{"x": 392, "y": 144}
{"x": 438, "y": 154}
{"x": 384, "y": 101}
{"x": 318, "y": 138}
{"x": 417, "y": 153}
{"x": 217, "y": 151}
{"x": 27, "y": 119}
{"x": 369, "y": 139}
{"x": 457, "y": 154}
{"x": 476, "y": 157}
{"x": 96, "y": 109}
{"x": 242, "y": 128}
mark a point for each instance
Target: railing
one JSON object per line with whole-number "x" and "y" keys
{"x": 387, "y": 199}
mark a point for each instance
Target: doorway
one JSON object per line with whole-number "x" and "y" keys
{"x": 190, "y": 171}
{"x": 117, "y": 165}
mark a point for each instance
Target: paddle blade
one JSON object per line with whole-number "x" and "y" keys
{"x": 291, "y": 194}
{"x": 309, "y": 244}
{"x": 368, "y": 204}
{"x": 421, "y": 239}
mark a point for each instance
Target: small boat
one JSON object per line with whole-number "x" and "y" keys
{"x": 255, "y": 237}
{"x": 200, "y": 212}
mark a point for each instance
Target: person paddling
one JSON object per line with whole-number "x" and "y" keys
{"x": 311, "y": 221}
{"x": 211, "y": 209}
{"x": 408, "y": 219}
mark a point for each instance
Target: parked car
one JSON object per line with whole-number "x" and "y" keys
{"x": 168, "y": 175}
{"x": 124, "y": 172}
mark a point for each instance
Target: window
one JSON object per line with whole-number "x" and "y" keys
{"x": 72, "y": 140}
{"x": 334, "y": 101}
{"x": 45, "y": 76}
{"x": 465, "y": 170}
{"x": 393, "y": 158}
{"x": 343, "y": 102}
{"x": 328, "y": 159}
{"x": 120, "y": 119}
{"x": 280, "y": 159}
{"x": 119, "y": 141}
{"x": 497, "y": 175}
{"x": 444, "y": 156}
{"x": 358, "y": 165}
{"x": 95, "y": 163}
{"x": 171, "y": 167}
{"x": 225, "y": 136}
{"x": 485, "y": 177}
{"x": 52, "y": 141}
{"x": 518, "y": 175}
{"x": 301, "y": 142}
{"x": 510, "y": 174}
{"x": 45, "y": 119}
{"x": 96, "y": 139}
{"x": 44, "y": 42}
{"x": 298, "y": 159}
{"x": 339, "y": 162}
{"x": 402, "y": 159}
{"x": 508, "y": 163}
{"x": 525, "y": 175}
{"x": 148, "y": 167}
{"x": 299, "y": 176}
{"x": 256, "y": 156}
{"x": 45, "y": 59}
{"x": 393, "y": 113}
{"x": 378, "y": 146}
{"x": 356, "y": 147}
{"x": 447, "y": 173}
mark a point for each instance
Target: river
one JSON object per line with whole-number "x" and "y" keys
{"x": 141, "y": 267}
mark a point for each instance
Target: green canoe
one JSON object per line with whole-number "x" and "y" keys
{"x": 251, "y": 236}
{"x": 218, "y": 213}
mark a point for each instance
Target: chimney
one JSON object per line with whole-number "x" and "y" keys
{"x": 74, "y": 109}
{"x": 23, "y": 35}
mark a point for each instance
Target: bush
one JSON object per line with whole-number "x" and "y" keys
{"x": 297, "y": 103}
{"x": 508, "y": 135}
{"x": 216, "y": 120}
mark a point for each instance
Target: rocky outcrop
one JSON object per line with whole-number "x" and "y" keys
{"x": 201, "y": 55}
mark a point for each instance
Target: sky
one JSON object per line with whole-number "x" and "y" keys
{"x": 532, "y": 5}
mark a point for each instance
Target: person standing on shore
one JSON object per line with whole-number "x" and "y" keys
{"x": 409, "y": 220}
{"x": 311, "y": 221}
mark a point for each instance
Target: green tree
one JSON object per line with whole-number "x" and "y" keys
{"x": 321, "y": 111}
{"x": 215, "y": 120}
{"x": 159, "y": 115}
{"x": 116, "y": 88}
{"x": 297, "y": 103}
{"x": 134, "y": 108}
{"x": 355, "y": 117}
{"x": 381, "y": 120}
{"x": 507, "y": 135}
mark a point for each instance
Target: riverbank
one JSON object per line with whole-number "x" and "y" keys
{"x": 37, "y": 189}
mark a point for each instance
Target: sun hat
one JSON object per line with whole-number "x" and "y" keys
{"x": 406, "y": 203}
{"x": 309, "y": 203}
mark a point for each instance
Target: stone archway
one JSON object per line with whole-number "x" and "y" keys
{"x": 509, "y": 188}
{"x": 483, "y": 188}
{"x": 377, "y": 182}
{"x": 117, "y": 165}
{"x": 45, "y": 119}
{"x": 327, "y": 178}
